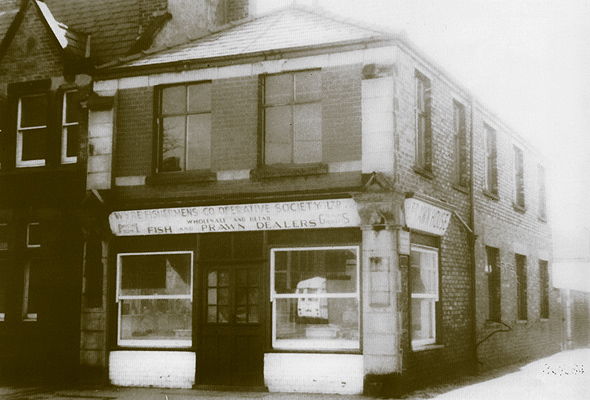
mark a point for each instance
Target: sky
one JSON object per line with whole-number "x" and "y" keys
{"x": 527, "y": 60}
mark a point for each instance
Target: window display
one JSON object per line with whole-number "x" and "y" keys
{"x": 154, "y": 293}
{"x": 315, "y": 295}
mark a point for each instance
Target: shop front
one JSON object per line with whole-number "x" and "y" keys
{"x": 255, "y": 295}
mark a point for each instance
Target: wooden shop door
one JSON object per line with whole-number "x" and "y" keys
{"x": 230, "y": 350}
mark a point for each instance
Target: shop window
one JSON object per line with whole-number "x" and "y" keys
{"x": 544, "y": 289}
{"x": 542, "y": 192}
{"x": 31, "y": 131}
{"x": 70, "y": 128}
{"x": 423, "y": 114}
{"x": 521, "y": 287}
{"x": 459, "y": 144}
{"x": 293, "y": 118}
{"x": 154, "y": 296}
{"x": 184, "y": 127}
{"x": 3, "y": 237}
{"x": 494, "y": 284}
{"x": 518, "y": 177}
{"x": 491, "y": 161}
{"x": 31, "y": 290}
{"x": 315, "y": 298}
{"x": 424, "y": 295}
{"x": 34, "y": 235}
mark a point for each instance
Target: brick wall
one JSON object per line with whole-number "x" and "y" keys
{"x": 235, "y": 130}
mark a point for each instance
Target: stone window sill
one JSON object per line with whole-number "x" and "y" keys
{"x": 522, "y": 321}
{"x": 461, "y": 188}
{"x": 519, "y": 208}
{"x": 426, "y": 347}
{"x": 424, "y": 172}
{"x": 493, "y": 196}
{"x": 288, "y": 170}
{"x": 171, "y": 178}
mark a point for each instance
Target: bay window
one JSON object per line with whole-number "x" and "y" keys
{"x": 424, "y": 294}
{"x": 315, "y": 298}
{"x": 154, "y": 296}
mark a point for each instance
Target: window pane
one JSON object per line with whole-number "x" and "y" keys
{"x": 72, "y": 133}
{"x": 278, "y": 140}
{"x": 307, "y": 152}
{"x": 424, "y": 278}
{"x": 148, "y": 320}
{"x": 33, "y": 144}
{"x": 33, "y": 234}
{"x": 71, "y": 105}
{"x": 307, "y": 122}
{"x": 316, "y": 271}
{"x": 199, "y": 98}
{"x": 423, "y": 319}
{"x": 199, "y": 141}
{"x": 174, "y": 100}
{"x": 173, "y": 144}
{"x": 278, "y": 89}
{"x": 308, "y": 86}
{"x": 3, "y": 237}
{"x": 317, "y": 323}
{"x": 33, "y": 111}
{"x": 156, "y": 274}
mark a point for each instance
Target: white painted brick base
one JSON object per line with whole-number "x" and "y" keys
{"x": 314, "y": 373}
{"x": 169, "y": 369}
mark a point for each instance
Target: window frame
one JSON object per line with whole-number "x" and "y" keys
{"x": 163, "y": 343}
{"x": 521, "y": 287}
{"x": 159, "y": 125}
{"x": 542, "y": 191}
{"x": 34, "y": 245}
{"x": 418, "y": 344}
{"x": 40, "y": 162}
{"x": 292, "y": 104}
{"x": 459, "y": 143}
{"x": 544, "y": 310}
{"x": 491, "y": 160}
{"x": 308, "y": 346}
{"x": 423, "y": 121}
{"x": 494, "y": 276}
{"x": 65, "y": 159}
{"x": 518, "y": 169}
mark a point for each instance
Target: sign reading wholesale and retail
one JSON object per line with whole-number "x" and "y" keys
{"x": 426, "y": 217}
{"x": 338, "y": 213}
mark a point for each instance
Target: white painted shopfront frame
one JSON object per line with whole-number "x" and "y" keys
{"x": 308, "y": 344}
{"x": 152, "y": 343}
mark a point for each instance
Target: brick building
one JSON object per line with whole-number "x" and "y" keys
{"x": 302, "y": 203}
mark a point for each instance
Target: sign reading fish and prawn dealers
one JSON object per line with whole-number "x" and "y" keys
{"x": 338, "y": 213}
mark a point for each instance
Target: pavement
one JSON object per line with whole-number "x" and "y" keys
{"x": 564, "y": 375}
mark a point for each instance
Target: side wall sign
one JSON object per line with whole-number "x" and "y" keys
{"x": 426, "y": 217}
{"x": 337, "y": 213}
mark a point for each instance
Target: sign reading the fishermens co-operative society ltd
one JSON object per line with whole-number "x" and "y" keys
{"x": 339, "y": 213}
{"x": 426, "y": 217}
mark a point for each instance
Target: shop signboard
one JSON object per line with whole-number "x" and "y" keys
{"x": 426, "y": 217}
{"x": 333, "y": 213}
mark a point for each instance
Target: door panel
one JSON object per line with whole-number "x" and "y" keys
{"x": 230, "y": 348}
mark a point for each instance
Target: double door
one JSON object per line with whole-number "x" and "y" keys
{"x": 230, "y": 348}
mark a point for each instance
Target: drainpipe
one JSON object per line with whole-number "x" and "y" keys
{"x": 472, "y": 239}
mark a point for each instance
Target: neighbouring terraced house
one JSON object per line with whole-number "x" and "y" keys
{"x": 200, "y": 196}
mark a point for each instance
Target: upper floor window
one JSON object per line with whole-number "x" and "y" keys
{"x": 491, "y": 161}
{"x": 459, "y": 145}
{"x": 31, "y": 131}
{"x": 544, "y": 288}
{"x": 518, "y": 177}
{"x": 184, "y": 127}
{"x": 70, "y": 128}
{"x": 542, "y": 192}
{"x": 293, "y": 118}
{"x": 423, "y": 122}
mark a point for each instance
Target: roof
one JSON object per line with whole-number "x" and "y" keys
{"x": 112, "y": 24}
{"x": 286, "y": 29}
